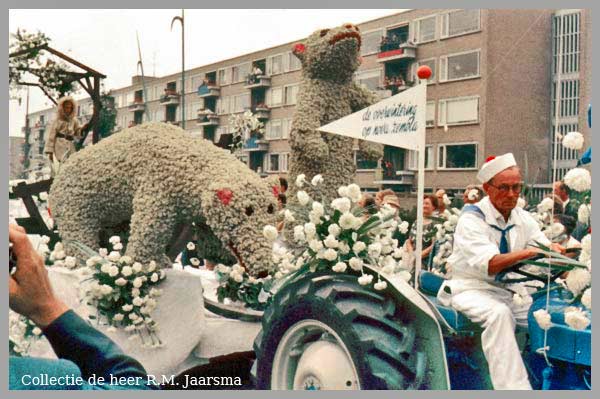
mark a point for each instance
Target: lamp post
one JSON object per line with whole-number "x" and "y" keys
{"x": 181, "y": 19}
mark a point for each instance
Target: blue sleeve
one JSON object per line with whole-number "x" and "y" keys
{"x": 93, "y": 352}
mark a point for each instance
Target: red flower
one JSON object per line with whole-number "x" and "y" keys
{"x": 275, "y": 191}
{"x": 225, "y": 195}
{"x": 299, "y": 48}
{"x": 490, "y": 158}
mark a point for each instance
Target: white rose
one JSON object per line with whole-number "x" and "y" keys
{"x": 70, "y": 262}
{"x": 127, "y": 308}
{"x": 151, "y": 266}
{"x": 573, "y": 141}
{"x": 113, "y": 271}
{"x": 300, "y": 180}
{"x": 114, "y": 256}
{"x": 583, "y": 214}
{"x": 103, "y": 252}
{"x": 118, "y": 317}
{"x": 118, "y": 246}
{"x": 237, "y": 277}
{"x": 126, "y": 259}
{"x": 114, "y": 240}
{"x": 347, "y": 221}
{"x": 354, "y": 192}
{"x": 135, "y": 292}
{"x": 315, "y": 245}
{"x": 154, "y": 277}
{"x": 344, "y": 248}
{"x": 303, "y": 198}
{"x": 270, "y": 232}
{"x": 316, "y": 180}
{"x": 576, "y": 318}
{"x": 331, "y": 242}
{"x": 190, "y": 246}
{"x": 343, "y": 191}
{"x": 341, "y": 204}
{"x": 138, "y": 301}
{"x": 137, "y": 267}
{"x": 578, "y": 179}
{"x": 310, "y": 229}
{"x": 543, "y": 318}
{"x": 127, "y": 271}
{"x": 106, "y": 289}
{"x": 133, "y": 316}
{"x": 339, "y": 267}
{"x": 403, "y": 227}
{"x": 358, "y": 247}
{"x": 105, "y": 268}
{"x": 330, "y": 254}
{"x": 120, "y": 281}
{"x": 355, "y": 263}
{"x": 365, "y": 279}
{"x": 137, "y": 282}
{"x": 380, "y": 285}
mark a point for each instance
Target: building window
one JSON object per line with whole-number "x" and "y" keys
{"x": 223, "y": 105}
{"x": 370, "y": 79}
{"x": 565, "y": 29}
{"x": 457, "y": 156}
{"x": 241, "y": 102}
{"x": 569, "y": 99}
{"x": 413, "y": 159}
{"x": 240, "y": 72}
{"x": 272, "y": 163}
{"x": 460, "y": 22}
{"x": 275, "y": 64}
{"x": 459, "y": 66}
{"x": 291, "y": 94}
{"x": 458, "y": 111}
{"x": 430, "y": 118}
{"x": 370, "y": 42}
{"x": 286, "y": 128}
{"x": 223, "y": 76}
{"x": 425, "y": 29}
{"x": 293, "y": 62}
{"x": 431, "y": 64}
{"x": 275, "y": 96}
{"x": 362, "y": 163}
{"x": 274, "y": 129}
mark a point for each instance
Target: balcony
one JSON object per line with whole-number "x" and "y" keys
{"x": 257, "y": 81}
{"x": 172, "y": 122}
{"x": 209, "y": 90}
{"x": 401, "y": 178}
{"x": 170, "y": 97}
{"x": 136, "y": 105}
{"x": 406, "y": 51}
{"x": 256, "y": 144}
{"x": 262, "y": 112}
{"x": 206, "y": 117}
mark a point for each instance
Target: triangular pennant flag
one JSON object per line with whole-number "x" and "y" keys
{"x": 398, "y": 121}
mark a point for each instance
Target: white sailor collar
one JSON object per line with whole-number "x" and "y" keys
{"x": 493, "y": 217}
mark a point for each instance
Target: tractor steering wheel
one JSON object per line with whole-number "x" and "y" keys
{"x": 503, "y": 276}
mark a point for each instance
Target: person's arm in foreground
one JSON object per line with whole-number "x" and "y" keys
{"x": 30, "y": 294}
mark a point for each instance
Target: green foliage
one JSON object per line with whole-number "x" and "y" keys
{"x": 107, "y": 117}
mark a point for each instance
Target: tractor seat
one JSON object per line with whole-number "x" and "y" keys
{"x": 430, "y": 284}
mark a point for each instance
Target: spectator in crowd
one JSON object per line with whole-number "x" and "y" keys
{"x": 369, "y": 204}
{"x": 430, "y": 205}
{"x": 569, "y": 222}
{"x": 391, "y": 200}
{"x": 283, "y": 185}
{"x": 442, "y": 198}
{"x": 380, "y": 194}
{"x": 472, "y": 194}
{"x": 82, "y": 350}
{"x": 563, "y": 192}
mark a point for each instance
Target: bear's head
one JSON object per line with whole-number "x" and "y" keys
{"x": 332, "y": 54}
{"x": 237, "y": 213}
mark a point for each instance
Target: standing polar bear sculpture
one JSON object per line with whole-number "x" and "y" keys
{"x": 327, "y": 92}
{"x": 159, "y": 177}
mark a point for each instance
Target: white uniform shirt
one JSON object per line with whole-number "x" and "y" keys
{"x": 475, "y": 243}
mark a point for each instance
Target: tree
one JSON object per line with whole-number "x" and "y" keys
{"x": 108, "y": 115}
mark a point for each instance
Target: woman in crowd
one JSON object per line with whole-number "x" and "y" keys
{"x": 430, "y": 205}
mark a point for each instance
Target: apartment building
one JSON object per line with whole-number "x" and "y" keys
{"x": 493, "y": 90}
{"x": 15, "y": 159}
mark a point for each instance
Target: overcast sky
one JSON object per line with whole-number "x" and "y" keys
{"x": 105, "y": 39}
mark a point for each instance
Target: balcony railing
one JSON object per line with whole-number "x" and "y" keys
{"x": 400, "y": 177}
{"x": 256, "y": 144}
{"x": 406, "y": 51}
{"x": 172, "y": 122}
{"x": 210, "y": 89}
{"x": 262, "y": 112}
{"x": 136, "y": 105}
{"x": 170, "y": 97}
{"x": 256, "y": 81}
{"x": 207, "y": 118}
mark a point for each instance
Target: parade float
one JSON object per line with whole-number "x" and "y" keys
{"x": 335, "y": 307}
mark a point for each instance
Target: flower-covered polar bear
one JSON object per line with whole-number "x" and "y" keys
{"x": 159, "y": 177}
{"x": 327, "y": 92}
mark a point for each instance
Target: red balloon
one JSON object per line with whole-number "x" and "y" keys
{"x": 424, "y": 72}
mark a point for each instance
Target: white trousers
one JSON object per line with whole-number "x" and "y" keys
{"x": 495, "y": 310}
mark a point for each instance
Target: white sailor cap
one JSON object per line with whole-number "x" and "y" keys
{"x": 495, "y": 165}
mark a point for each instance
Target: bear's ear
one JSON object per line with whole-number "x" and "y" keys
{"x": 224, "y": 195}
{"x": 299, "y": 50}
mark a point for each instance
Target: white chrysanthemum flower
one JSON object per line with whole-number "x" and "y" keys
{"x": 126, "y": 259}
{"x": 138, "y": 301}
{"x": 543, "y": 318}
{"x": 190, "y": 246}
{"x": 37, "y": 331}
{"x": 573, "y": 141}
{"x": 316, "y": 180}
{"x": 344, "y": 248}
{"x": 288, "y": 216}
{"x": 135, "y": 292}
{"x": 270, "y": 232}
{"x": 303, "y": 197}
{"x": 129, "y": 329}
{"x": 195, "y": 261}
{"x": 380, "y": 285}
{"x": 355, "y": 263}
{"x": 331, "y": 242}
{"x": 70, "y": 262}
{"x": 343, "y": 191}
{"x": 114, "y": 256}
{"x": 375, "y": 249}
{"x": 133, "y": 316}
{"x": 578, "y": 179}
{"x": 358, "y": 247}
{"x": 118, "y": 246}
{"x": 118, "y": 317}
{"x": 577, "y": 280}
{"x": 299, "y": 235}
{"x": 315, "y": 245}
{"x": 137, "y": 282}
{"x": 342, "y": 204}
{"x": 330, "y": 254}
{"x": 154, "y": 277}
{"x": 545, "y": 205}
{"x": 339, "y": 267}
{"x": 120, "y": 281}
{"x": 398, "y": 252}
{"x": 586, "y": 298}
{"x": 586, "y": 243}
{"x": 365, "y": 279}
{"x": 127, "y": 308}
{"x": 300, "y": 180}
{"x": 137, "y": 267}
{"x": 113, "y": 271}
{"x": 151, "y": 266}
{"x": 583, "y": 213}
{"x": 354, "y": 192}
{"x": 103, "y": 252}
{"x": 318, "y": 208}
{"x": 521, "y": 203}
{"x": 334, "y": 230}
{"x": 347, "y": 221}
{"x": 114, "y": 240}
{"x": 127, "y": 271}
{"x": 403, "y": 227}
{"x": 576, "y": 318}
